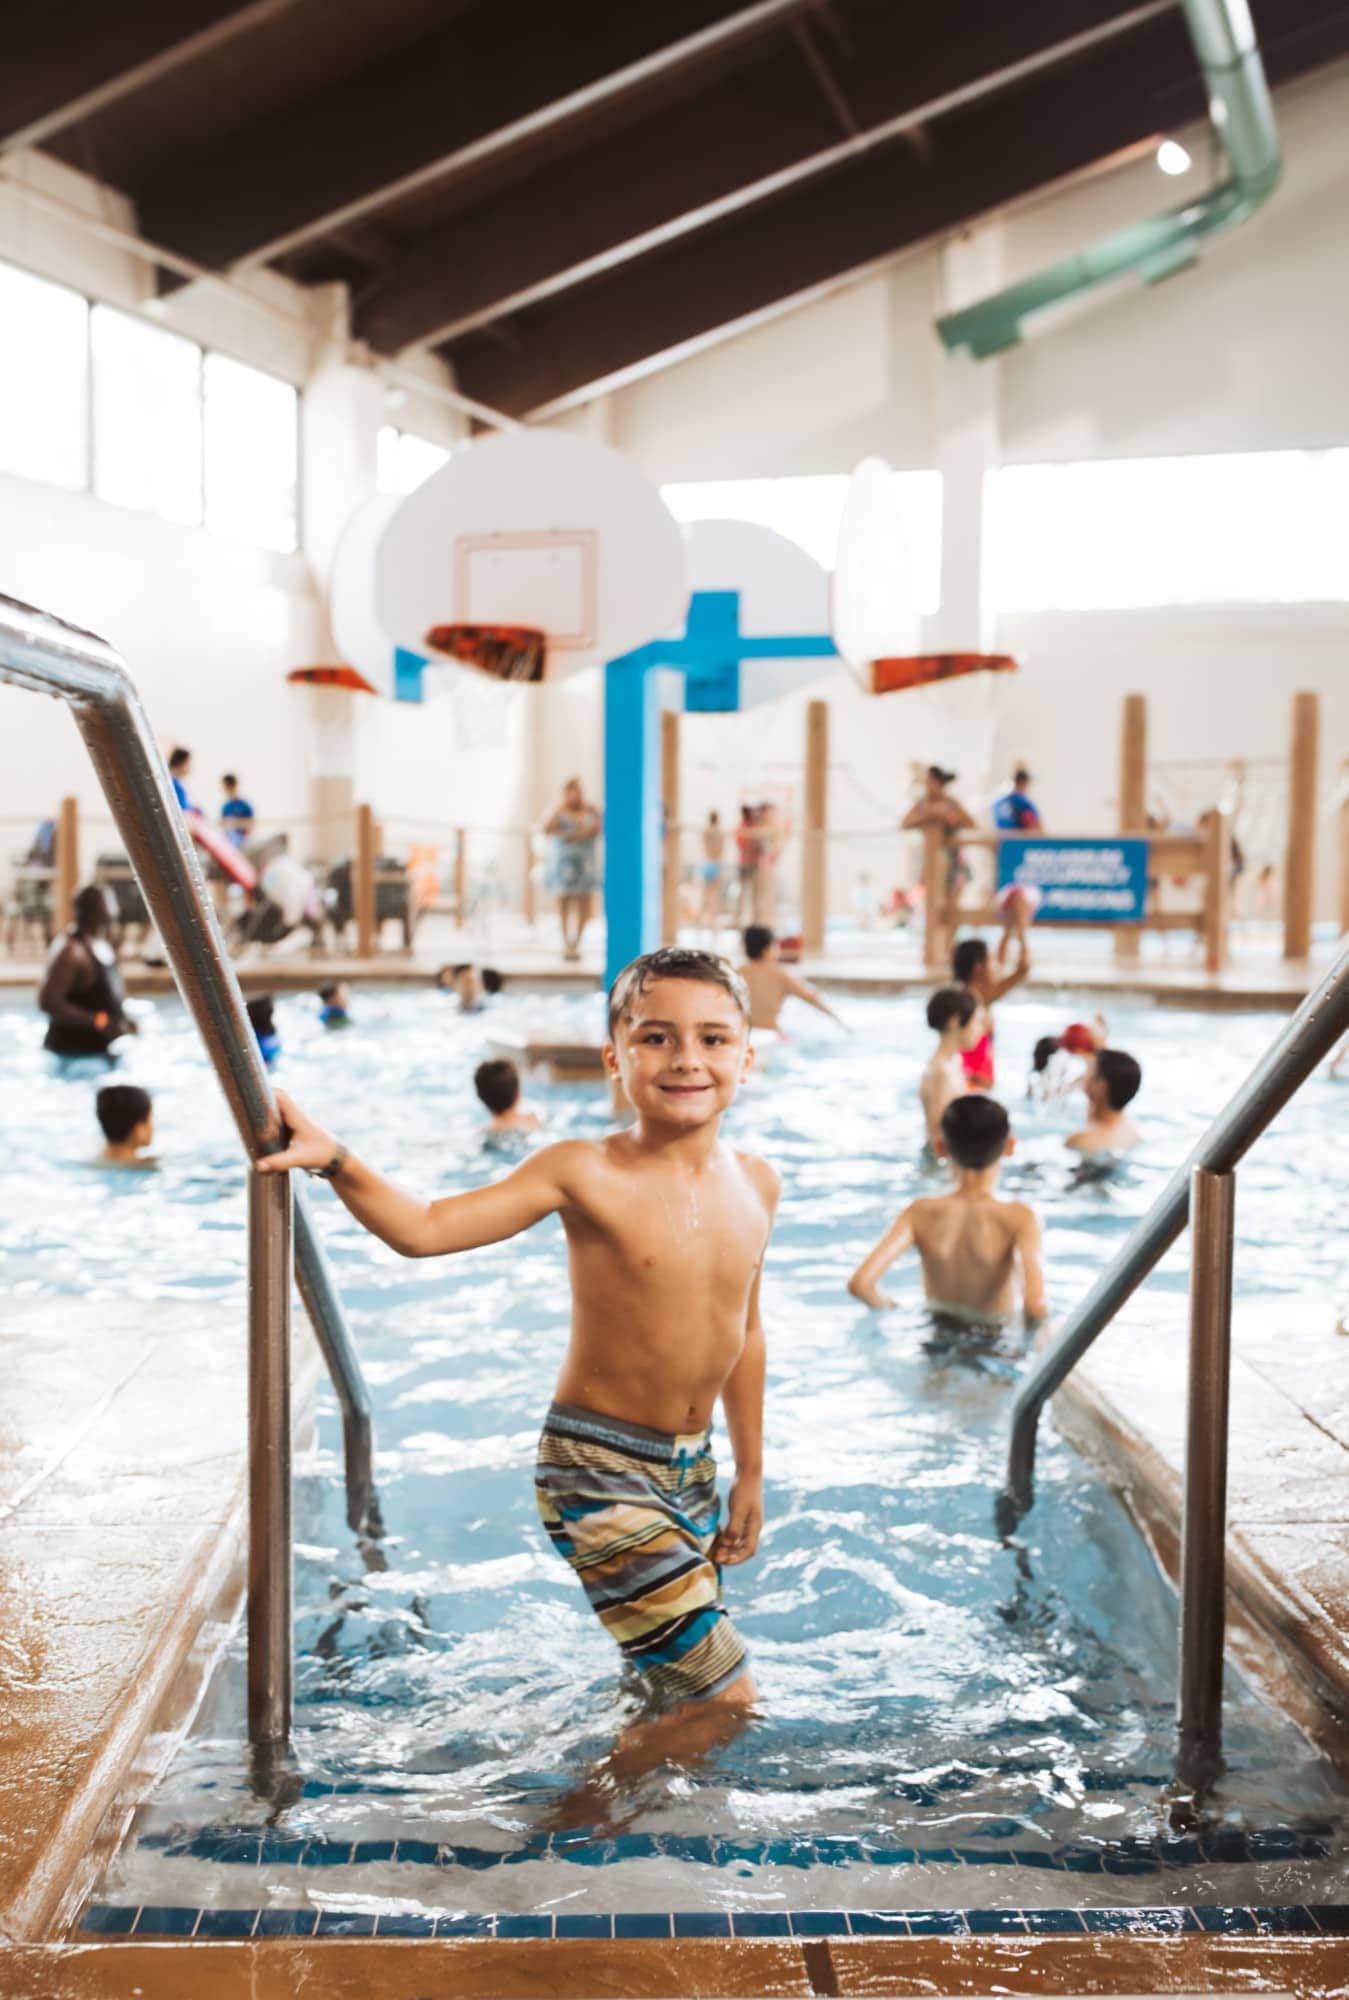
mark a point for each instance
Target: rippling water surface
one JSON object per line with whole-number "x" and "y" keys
{"x": 933, "y": 1699}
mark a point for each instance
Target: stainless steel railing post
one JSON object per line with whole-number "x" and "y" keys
{"x": 269, "y": 1538}
{"x": 1203, "y": 1572}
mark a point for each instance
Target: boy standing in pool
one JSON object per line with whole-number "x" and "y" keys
{"x": 971, "y": 1245}
{"x": 666, "y": 1232}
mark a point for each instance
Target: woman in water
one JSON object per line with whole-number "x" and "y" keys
{"x": 573, "y": 875}
{"x": 82, "y": 993}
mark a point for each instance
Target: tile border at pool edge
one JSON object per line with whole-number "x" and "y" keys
{"x": 1317, "y": 1920}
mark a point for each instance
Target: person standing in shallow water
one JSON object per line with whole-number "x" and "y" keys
{"x": 573, "y": 874}
{"x": 666, "y": 1230}
{"x": 81, "y": 992}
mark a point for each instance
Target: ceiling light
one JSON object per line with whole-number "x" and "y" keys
{"x": 1172, "y": 157}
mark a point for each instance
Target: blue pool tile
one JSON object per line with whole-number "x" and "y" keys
{"x": 760, "y": 1923}
{"x": 1140, "y": 1920}
{"x": 819, "y": 1923}
{"x": 345, "y": 1923}
{"x": 637, "y": 1924}
{"x": 996, "y": 1922}
{"x": 418, "y": 1853}
{"x": 936, "y": 1923}
{"x": 889, "y": 1857}
{"x": 226, "y": 1923}
{"x": 403, "y": 1923}
{"x": 1291, "y": 1917}
{"x": 1332, "y": 1918}
{"x": 1224, "y": 1918}
{"x": 327, "y": 1854}
{"x": 464, "y": 1923}
{"x": 286, "y": 1923}
{"x": 572, "y": 1924}
{"x": 159, "y": 1921}
{"x": 702, "y": 1923}
{"x": 929, "y": 1856}
{"x": 109, "y": 1919}
{"x": 878, "y": 1923}
{"x": 1083, "y": 1861}
{"x": 1035, "y": 1857}
{"x": 1226, "y": 1847}
{"x": 287, "y": 1848}
{"x": 1048, "y": 1923}
{"x": 983, "y": 1857}
{"x": 374, "y": 1850}
{"x": 524, "y": 1924}
{"x": 214, "y": 1845}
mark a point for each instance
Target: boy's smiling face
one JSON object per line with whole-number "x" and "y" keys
{"x": 681, "y": 1052}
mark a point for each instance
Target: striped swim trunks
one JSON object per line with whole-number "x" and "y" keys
{"x": 635, "y": 1513}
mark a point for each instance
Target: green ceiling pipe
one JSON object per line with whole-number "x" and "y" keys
{"x": 1243, "y": 119}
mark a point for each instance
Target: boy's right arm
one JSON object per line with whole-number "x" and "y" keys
{"x": 1032, "y": 1270}
{"x": 897, "y": 1239}
{"x": 414, "y": 1228}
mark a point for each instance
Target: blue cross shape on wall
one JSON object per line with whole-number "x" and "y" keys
{"x": 710, "y": 656}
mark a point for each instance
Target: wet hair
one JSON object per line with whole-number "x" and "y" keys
{"x": 1021, "y": 776}
{"x": 940, "y": 774}
{"x": 950, "y": 1003}
{"x": 708, "y": 968}
{"x": 492, "y": 980}
{"x": 455, "y": 970}
{"x": 90, "y": 909}
{"x": 966, "y": 959}
{"x": 757, "y": 940}
{"x": 121, "y": 1107}
{"x": 1121, "y": 1074}
{"x": 1045, "y": 1049}
{"x": 330, "y": 992}
{"x": 179, "y": 757}
{"x": 497, "y": 1084}
{"x": 230, "y": 780}
{"x": 260, "y": 1013}
{"x": 974, "y": 1129}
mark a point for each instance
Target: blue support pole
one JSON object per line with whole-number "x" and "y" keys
{"x": 632, "y": 810}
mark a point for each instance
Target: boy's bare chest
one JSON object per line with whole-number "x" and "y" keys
{"x": 687, "y": 1230}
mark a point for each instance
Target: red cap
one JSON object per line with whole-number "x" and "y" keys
{"x": 1078, "y": 1039}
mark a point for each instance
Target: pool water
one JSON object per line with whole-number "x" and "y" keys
{"x": 947, "y": 1721}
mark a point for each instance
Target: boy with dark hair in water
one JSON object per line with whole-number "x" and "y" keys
{"x": 770, "y": 983}
{"x": 336, "y": 999}
{"x": 971, "y": 1245}
{"x": 666, "y": 1232}
{"x": 498, "y": 1085}
{"x": 1112, "y": 1081}
{"x": 956, "y": 1018}
{"x": 126, "y": 1117}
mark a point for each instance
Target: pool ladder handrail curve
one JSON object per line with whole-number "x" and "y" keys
{"x": 47, "y": 655}
{"x": 1312, "y": 1033}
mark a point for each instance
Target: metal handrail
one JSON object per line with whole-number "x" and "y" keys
{"x": 1319, "y": 1023}
{"x": 48, "y": 656}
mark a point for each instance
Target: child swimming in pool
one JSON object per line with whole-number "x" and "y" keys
{"x": 970, "y": 1244}
{"x": 498, "y": 1087}
{"x": 770, "y": 983}
{"x": 127, "y": 1121}
{"x": 970, "y": 966}
{"x": 1111, "y": 1083}
{"x": 957, "y": 1019}
{"x": 666, "y": 1232}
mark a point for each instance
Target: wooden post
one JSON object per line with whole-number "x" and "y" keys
{"x": 936, "y": 917}
{"x": 1133, "y": 797}
{"x": 363, "y": 886}
{"x": 1344, "y": 846}
{"x": 1217, "y": 889}
{"x": 528, "y": 904}
{"x": 669, "y": 794}
{"x": 1299, "y": 861}
{"x": 67, "y": 861}
{"x": 814, "y": 853}
{"x": 460, "y": 875}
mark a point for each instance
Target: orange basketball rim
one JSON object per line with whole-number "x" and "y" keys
{"x": 912, "y": 670}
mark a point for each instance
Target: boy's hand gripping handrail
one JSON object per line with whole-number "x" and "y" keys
{"x": 1311, "y": 1034}
{"x": 48, "y": 656}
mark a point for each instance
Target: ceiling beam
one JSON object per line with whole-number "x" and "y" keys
{"x": 650, "y": 313}
{"x": 490, "y": 79}
{"x": 75, "y": 59}
{"x": 743, "y": 140}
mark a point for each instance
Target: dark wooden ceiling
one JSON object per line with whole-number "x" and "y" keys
{"x": 548, "y": 195}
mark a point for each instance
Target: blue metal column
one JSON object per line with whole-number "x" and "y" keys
{"x": 632, "y": 810}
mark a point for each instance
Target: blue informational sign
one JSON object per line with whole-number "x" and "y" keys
{"x": 1079, "y": 881}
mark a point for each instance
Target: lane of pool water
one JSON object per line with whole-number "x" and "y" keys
{"x": 939, "y": 1710}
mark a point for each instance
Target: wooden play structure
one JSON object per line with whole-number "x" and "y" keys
{"x": 1200, "y": 855}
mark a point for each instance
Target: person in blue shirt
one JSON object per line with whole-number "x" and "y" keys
{"x": 236, "y": 815}
{"x": 1016, "y": 811}
{"x": 180, "y": 767}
